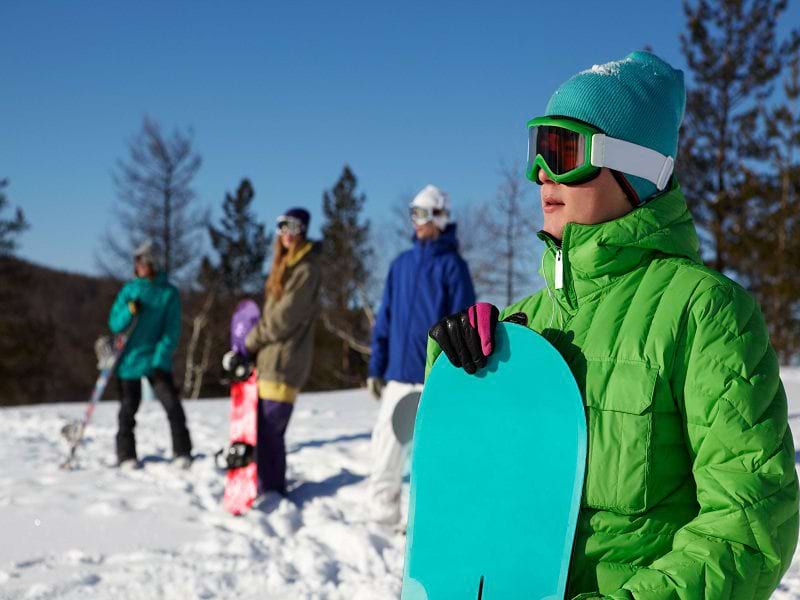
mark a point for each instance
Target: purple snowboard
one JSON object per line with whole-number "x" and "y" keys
{"x": 244, "y": 319}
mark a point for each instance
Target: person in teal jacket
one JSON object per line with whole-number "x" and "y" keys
{"x": 155, "y": 305}
{"x": 690, "y": 491}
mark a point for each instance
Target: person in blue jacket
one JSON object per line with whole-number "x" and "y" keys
{"x": 156, "y": 306}
{"x": 424, "y": 284}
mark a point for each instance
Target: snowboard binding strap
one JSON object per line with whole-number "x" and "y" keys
{"x": 235, "y": 456}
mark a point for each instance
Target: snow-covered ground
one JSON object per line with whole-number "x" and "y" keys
{"x": 790, "y": 586}
{"x": 98, "y": 532}
{"x": 161, "y": 533}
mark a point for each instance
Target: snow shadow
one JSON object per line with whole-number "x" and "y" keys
{"x": 153, "y": 459}
{"x": 308, "y": 490}
{"x": 319, "y": 443}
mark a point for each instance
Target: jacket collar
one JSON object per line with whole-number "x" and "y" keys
{"x": 446, "y": 242}
{"x": 594, "y": 256}
{"x": 300, "y": 254}
{"x": 159, "y": 279}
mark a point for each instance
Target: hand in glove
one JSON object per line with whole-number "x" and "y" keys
{"x": 375, "y": 386}
{"x": 467, "y": 337}
{"x": 134, "y": 306}
{"x": 236, "y": 365}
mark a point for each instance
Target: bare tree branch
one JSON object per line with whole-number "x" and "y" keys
{"x": 353, "y": 343}
{"x": 155, "y": 201}
{"x": 194, "y": 369}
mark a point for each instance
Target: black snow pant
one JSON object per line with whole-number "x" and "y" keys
{"x": 130, "y": 392}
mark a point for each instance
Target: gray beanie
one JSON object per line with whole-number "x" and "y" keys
{"x": 149, "y": 252}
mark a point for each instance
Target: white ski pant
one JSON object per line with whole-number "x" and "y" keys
{"x": 388, "y": 455}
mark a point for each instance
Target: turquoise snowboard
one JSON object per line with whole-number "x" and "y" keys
{"x": 496, "y": 476}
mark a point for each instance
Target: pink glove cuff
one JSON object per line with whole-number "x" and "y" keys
{"x": 480, "y": 317}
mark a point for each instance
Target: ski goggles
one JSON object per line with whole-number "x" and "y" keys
{"x": 291, "y": 225}
{"x": 421, "y": 215}
{"x": 573, "y": 152}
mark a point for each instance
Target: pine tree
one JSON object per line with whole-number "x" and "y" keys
{"x": 767, "y": 250}
{"x": 734, "y": 55}
{"x": 241, "y": 243}
{"x": 345, "y": 243}
{"x": 10, "y": 228}
{"x": 346, "y": 253}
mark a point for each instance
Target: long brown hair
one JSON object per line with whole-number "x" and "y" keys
{"x": 281, "y": 257}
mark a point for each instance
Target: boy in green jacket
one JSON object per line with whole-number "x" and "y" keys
{"x": 690, "y": 489}
{"x": 156, "y": 305}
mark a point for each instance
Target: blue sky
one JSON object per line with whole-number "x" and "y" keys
{"x": 285, "y": 93}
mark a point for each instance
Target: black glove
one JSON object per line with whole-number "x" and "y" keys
{"x": 375, "y": 386}
{"x": 237, "y": 367}
{"x": 467, "y": 337}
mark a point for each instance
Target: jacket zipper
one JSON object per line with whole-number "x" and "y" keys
{"x": 404, "y": 353}
{"x": 559, "y": 267}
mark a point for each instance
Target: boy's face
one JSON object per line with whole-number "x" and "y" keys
{"x": 595, "y": 201}
{"x": 428, "y": 231}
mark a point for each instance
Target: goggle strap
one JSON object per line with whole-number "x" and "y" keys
{"x": 632, "y": 159}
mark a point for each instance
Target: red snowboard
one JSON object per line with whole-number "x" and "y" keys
{"x": 241, "y": 484}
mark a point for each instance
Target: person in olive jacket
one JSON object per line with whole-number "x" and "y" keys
{"x": 283, "y": 342}
{"x": 690, "y": 490}
{"x": 156, "y": 306}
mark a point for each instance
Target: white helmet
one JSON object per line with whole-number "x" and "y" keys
{"x": 431, "y": 204}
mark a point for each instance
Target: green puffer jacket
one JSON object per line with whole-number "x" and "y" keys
{"x": 690, "y": 487}
{"x": 158, "y": 325}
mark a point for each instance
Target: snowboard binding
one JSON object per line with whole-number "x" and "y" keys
{"x": 235, "y": 456}
{"x": 72, "y": 431}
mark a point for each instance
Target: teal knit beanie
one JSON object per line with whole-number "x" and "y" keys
{"x": 638, "y": 99}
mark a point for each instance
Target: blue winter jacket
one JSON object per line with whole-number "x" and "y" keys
{"x": 424, "y": 284}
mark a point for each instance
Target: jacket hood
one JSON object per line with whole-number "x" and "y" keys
{"x": 446, "y": 242}
{"x": 594, "y": 255}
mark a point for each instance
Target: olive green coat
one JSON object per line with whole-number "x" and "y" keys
{"x": 283, "y": 339}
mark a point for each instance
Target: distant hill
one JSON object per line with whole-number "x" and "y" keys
{"x": 49, "y": 320}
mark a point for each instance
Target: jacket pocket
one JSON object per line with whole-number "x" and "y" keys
{"x": 619, "y": 401}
